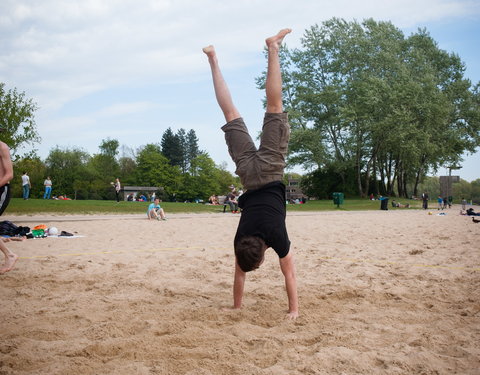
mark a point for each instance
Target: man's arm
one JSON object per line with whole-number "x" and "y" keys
{"x": 287, "y": 266}
{"x": 6, "y": 163}
{"x": 238, "y": 286}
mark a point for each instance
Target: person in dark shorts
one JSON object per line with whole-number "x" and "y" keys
{"x": 262, "y": 223}
{"x": 6, "y": 175}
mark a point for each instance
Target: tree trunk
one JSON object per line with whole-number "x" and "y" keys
{"x": 376, "y": 187}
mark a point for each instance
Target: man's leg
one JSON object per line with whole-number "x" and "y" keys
{"x": 273, "y": 83}
{"x": 240, "y": 145}
{"x": 275, "y": 131}
{"x": 10, "y": 258}
{"x": 222, "y": 92}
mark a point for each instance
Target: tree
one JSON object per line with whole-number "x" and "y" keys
{"x": 154, "y": 169}
{"x": 17, "y": 119}
{"x": 366, "y": 101}
{"x": 68, "y": 169}
{"x": 172, "y": 148}
{"x": 203, "y": 179}
{"x": 127, "y": 165}
{"x": 191, "y": 148}
{"x": 109, "y": 147}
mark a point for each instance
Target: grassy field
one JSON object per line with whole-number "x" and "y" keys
{"x": 19, "y": 206}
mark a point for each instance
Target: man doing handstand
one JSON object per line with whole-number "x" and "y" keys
{"x": 262, "y": 223}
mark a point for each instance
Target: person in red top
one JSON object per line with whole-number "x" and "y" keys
{"x": 262, "y": 223}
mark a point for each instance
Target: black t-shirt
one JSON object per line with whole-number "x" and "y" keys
{"x": 263, "y": 215}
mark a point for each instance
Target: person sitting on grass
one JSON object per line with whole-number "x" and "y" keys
{"x": 400, "y": 205}
{"x": 231, "y": 200}
{"x": 155, "y": 211}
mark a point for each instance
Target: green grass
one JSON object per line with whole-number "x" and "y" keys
{"x": 19, "y": 206}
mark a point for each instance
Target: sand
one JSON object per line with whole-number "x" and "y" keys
{"x": 384, "y": 292}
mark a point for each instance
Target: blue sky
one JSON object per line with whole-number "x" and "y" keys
{"x": 129, "y": 69}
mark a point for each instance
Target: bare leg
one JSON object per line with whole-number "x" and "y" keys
{"x": 273, "y": 84}
{"x": 10, "y": 258}
{"x": 222, "y": 92}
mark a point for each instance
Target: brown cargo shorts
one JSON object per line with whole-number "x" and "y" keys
{"x": 259, "y": 167}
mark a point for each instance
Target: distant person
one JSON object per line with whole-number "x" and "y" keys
{"x": 425, "y": 200}
{"x": 471, "y": 212}
{"x": 400, "y": 205}
{"x": 6, "y": 175}
{"x": 118, "y": 188}
{"x": 445, "y": 203}
{"x": 155, "y": 211}
{"x": 231, "y": 200}
{"x": 213, "y": 200}
{"x": 464, "y": 204}
{"x": 48, "y": 188}
{"x": 440, "y": 203}
{"x": 26, "y": 185}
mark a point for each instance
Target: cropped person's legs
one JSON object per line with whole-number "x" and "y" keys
{"x": 10, "y": 258}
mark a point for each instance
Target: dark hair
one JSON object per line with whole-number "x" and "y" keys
{"x": 249, "y": 251}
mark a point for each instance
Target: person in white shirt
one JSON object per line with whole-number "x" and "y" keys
{"x": 26, "y": 185}
{"x": 48, "y": 188}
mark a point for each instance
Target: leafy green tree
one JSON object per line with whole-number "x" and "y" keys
{"x": 366, "y": 101}
{"x": 109, "y": 147}
{"x": 475, "y": 191}
{"x": 202, "y": 180}
{"x": 462, "y": 189}
{"x": 105, "y": 169}
{"x": 68, "y": 169}
{"x": 17, "y": 119}
{"x": 127, "y": 165}
{"x": 154, "y": 169}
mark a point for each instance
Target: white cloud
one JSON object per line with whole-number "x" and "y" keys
{"x": 62, "y": 51}
{"x": 120, "y": 109}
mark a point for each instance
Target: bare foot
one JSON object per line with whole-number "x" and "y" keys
{"x": 276, "y": 40}
{"x": 10, "y": 261}
{"x": 209, "y": 51}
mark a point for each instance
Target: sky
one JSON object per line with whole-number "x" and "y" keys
{"x": 128, "y": 69}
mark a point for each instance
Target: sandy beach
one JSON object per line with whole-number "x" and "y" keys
{"x": 381, "y": 292}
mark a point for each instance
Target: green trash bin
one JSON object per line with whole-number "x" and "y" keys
{"x": 337, "y": 198}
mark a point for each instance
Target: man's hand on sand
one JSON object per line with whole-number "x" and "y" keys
{"x": 292, "y": 315}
